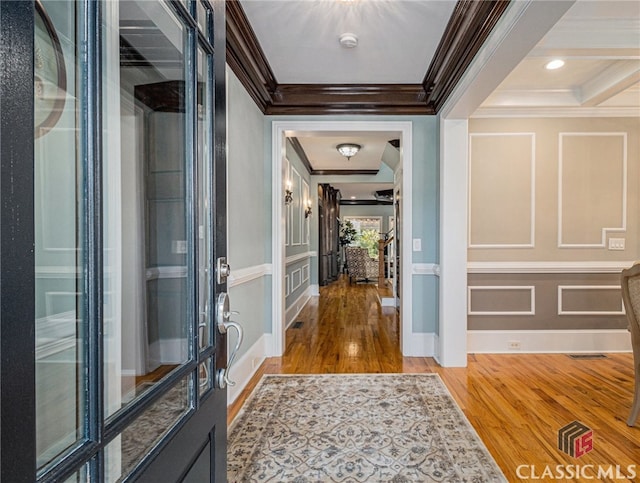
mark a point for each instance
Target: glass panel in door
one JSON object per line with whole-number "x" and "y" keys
{"x": 145, "y": 232}
{"x": 59, "y": 284}
{"x": 204, "y": 182}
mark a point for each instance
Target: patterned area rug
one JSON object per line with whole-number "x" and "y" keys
{"x": 370, "y": 427}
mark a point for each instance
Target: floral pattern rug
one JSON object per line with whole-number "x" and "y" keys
{"x": 355, "y": 428}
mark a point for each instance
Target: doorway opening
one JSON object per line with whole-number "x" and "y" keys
{"x": 400, "y": 183}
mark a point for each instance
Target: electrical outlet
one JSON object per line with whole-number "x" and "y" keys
{"x": 514, "y": 345}
{"x": 616, "y": 243}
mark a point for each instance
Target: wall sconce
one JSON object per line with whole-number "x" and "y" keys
{"x": 307, "y": 210}
{"x": 288, "y": 194}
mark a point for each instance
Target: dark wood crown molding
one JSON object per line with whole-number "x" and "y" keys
{"x": 468, "y": 28}
{"x": 246, "y": 58}
{"x": 349, "y": 99}
{"x": 297, "y": 147}
{"x": 365, "y": 202}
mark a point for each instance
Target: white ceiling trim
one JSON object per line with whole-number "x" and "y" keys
{"x": 531, "y": 112}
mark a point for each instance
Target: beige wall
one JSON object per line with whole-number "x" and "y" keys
{"x": 545, "y": 197}
{"x": 553, "y": 189}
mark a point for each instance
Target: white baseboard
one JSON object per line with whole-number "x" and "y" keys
{"x": 246, "y": 366}
{"x": 421, "y": 345}
{"x": 436, "y": 348}
{"x": 388, "y": 302}
{"x": 315, "y": 290}
{"x": 296, "y": 307}
{"x": 548, "y": 341}
{"x": 268, "y": 344}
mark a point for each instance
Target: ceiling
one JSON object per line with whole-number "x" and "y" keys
{"x": 600, "y": 44}
{"x": 412, "y": 53}
{"x": 301, "y": 39}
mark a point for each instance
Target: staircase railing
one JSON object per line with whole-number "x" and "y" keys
{"x": 382, "y": 244}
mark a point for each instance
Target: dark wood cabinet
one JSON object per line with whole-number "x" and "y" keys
{"x": 329, "y": 234}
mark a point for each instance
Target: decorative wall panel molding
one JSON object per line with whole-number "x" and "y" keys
{"x": 502, "y": 190}
{"x": 305, "y": 273}
{"x": 591, "y": 166}
{"x": 591, "y": 300}
{"x": 287, "y": 208}
{"x": 296, "y": 280}
{"x": 297, "y": 216}
{"x": 531, "y": 299}
{"x": 305, "y": 221}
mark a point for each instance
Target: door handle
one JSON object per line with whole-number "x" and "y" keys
{"x": 222, "y": 376}
{"x": 224, "y": 324}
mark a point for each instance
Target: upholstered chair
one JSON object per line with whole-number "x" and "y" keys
{"x": 631, "y": 298}
{"x": 360, "y": 265}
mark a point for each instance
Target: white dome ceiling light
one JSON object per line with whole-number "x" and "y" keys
{"x": 349, "y": 40}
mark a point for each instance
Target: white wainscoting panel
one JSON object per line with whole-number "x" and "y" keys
{"x": 510, "y": 288}
{"x": 582, "y": 207}
{"x": 564, "y": 288}
{"x": 491, "y": 215}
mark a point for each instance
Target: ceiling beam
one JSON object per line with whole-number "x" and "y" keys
{"x": 469, "y": 26}
{"x": 610, "y": 82}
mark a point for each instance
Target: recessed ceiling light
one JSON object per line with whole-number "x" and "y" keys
{"x": 353, "y": 197}
{"x": 554, "y": 64}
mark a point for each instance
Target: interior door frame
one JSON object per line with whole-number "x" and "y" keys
{"x": 279, "y": 130}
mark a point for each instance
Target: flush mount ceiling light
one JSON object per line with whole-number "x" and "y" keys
{"x": 554, "y": 64}
{"x": 348, "y": 149}
{"x": 349, "y": 40}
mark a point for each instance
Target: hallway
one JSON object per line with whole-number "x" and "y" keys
{"x": 345, "y": 330}
{"x": 516, "y": 403}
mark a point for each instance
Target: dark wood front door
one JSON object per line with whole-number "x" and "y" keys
{"x": 112, "y": 241}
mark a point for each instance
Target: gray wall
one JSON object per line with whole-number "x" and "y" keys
{"x": 248, "y": 211}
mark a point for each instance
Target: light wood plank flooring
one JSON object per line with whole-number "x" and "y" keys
{"x": 516, "y": 403}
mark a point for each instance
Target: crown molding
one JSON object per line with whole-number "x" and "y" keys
{"x": 349, "y": 99}
{"x": 297, "y": 147}
{"x": 364, "y": 203}
{"x": 469, "y": 26}
{"x": 544, "y": 112}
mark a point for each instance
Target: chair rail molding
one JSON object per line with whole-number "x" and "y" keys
{"x": 244, "y": 275}
{"x": 560, "y": 267}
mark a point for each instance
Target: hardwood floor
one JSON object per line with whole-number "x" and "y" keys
{"x": 516, "y": 403}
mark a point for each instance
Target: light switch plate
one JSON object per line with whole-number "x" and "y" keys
{"x": 417, "y": 244}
